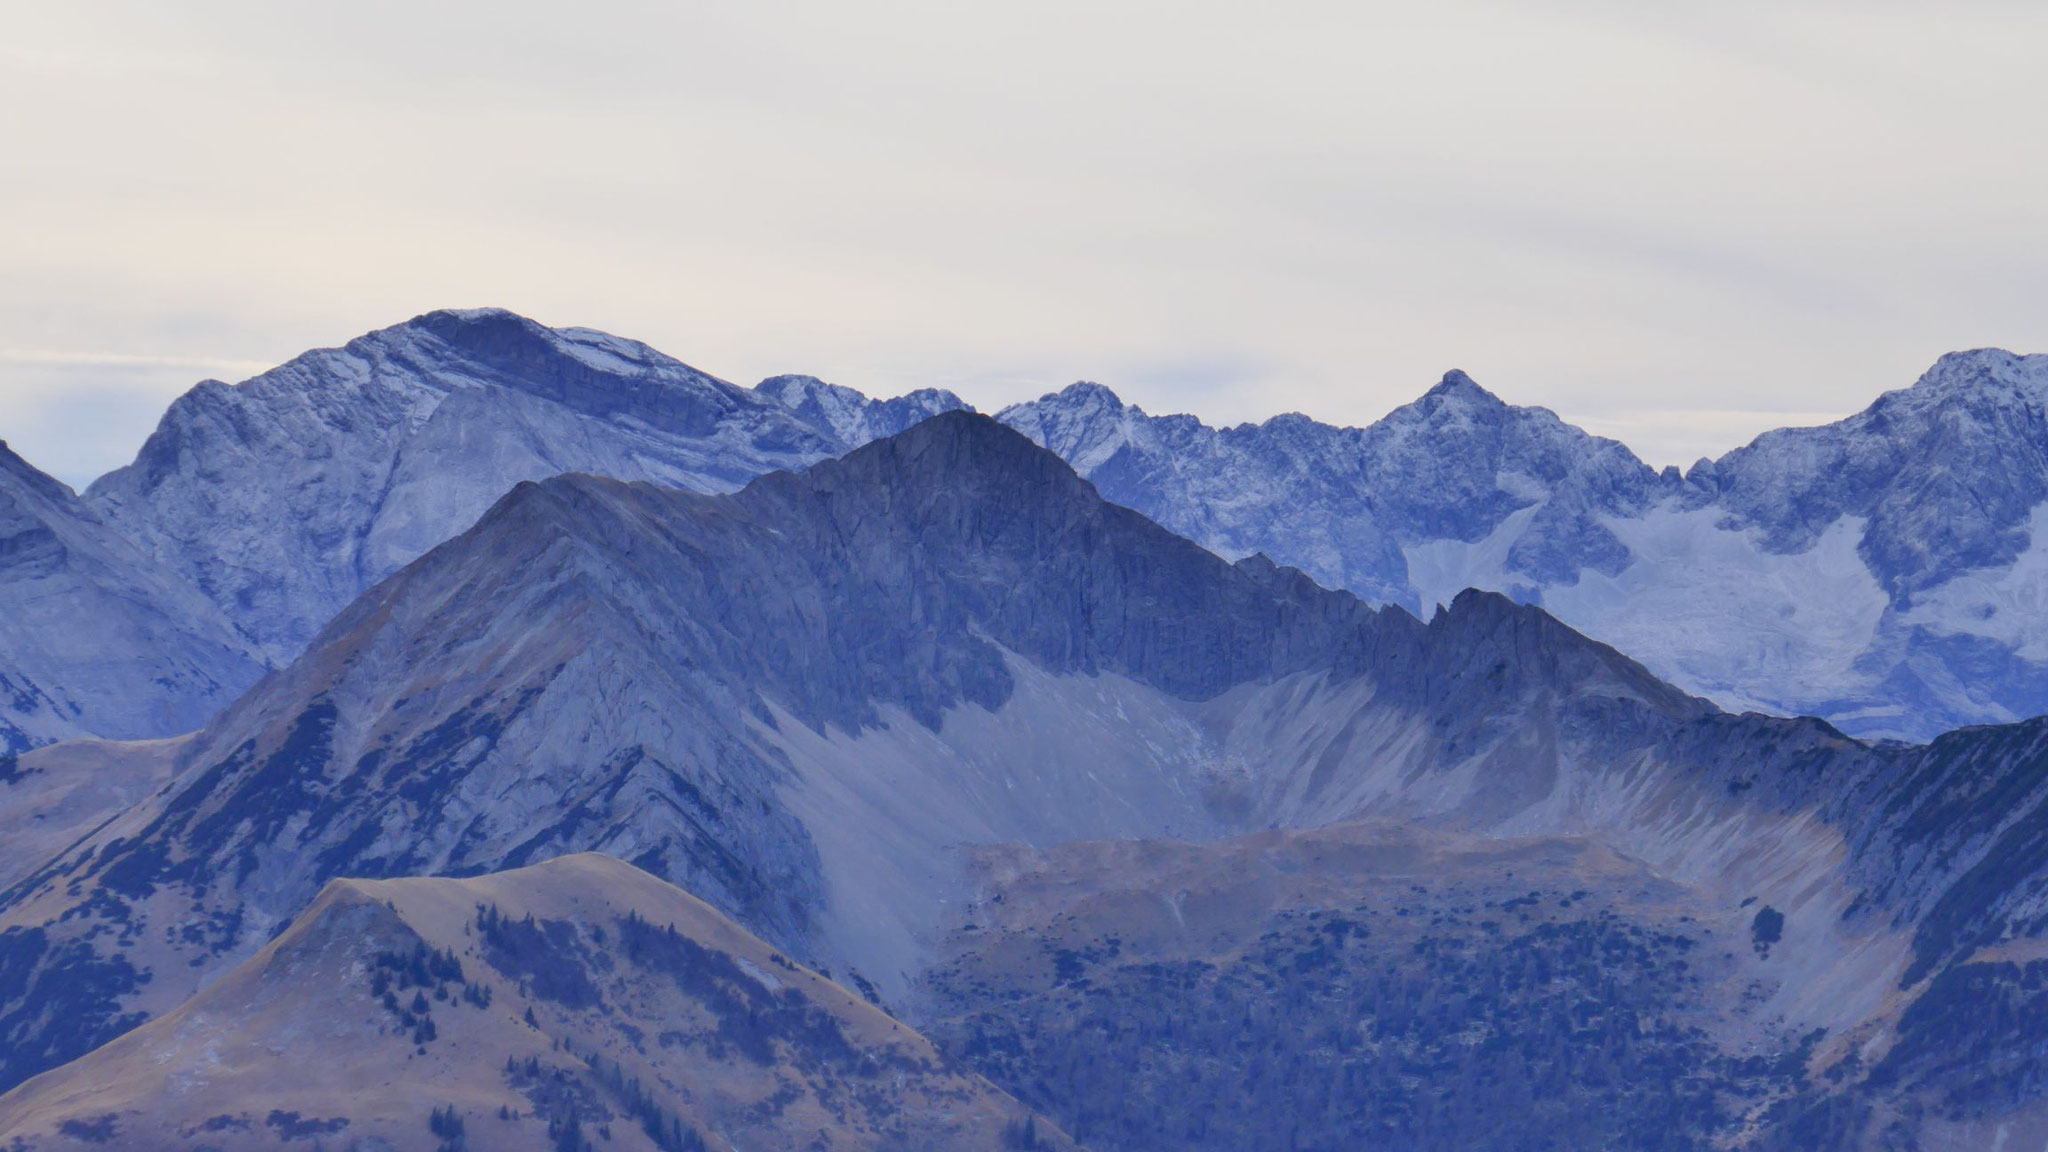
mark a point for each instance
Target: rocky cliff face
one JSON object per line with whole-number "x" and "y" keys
{"x": 96, "y": 638}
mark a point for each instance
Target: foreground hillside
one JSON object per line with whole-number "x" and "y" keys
{"x": 574, "y": 1004}
{"x": 1368, "y": 985}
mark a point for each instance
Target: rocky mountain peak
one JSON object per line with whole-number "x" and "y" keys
{"x": 952, "y": 453}
{"x": 16, "y": 472}
{"x": 1945, "y": 474}
{"x": 1491, "y": 635}
{"x": 1084, "y": 422}
{"x": 795, "y": 389}
{"x": 830, "y": 407}
{"x": 506, "y": 342}
{"x": 1987, "y": 367}
{"x": 284, "y": 497}
{"x": 480, "y": 329}
{"x": 1089, "y": 394}
{"x": 1458, "y": 406}
{"x": 1458, "y": 388}
{"x": 850, "y": 416}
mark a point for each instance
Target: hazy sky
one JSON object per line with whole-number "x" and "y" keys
{"x": 1675, "y": 228}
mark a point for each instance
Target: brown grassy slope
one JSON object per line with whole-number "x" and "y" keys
{"x": 577, "y": 994}
{"x": 51, "y": 796}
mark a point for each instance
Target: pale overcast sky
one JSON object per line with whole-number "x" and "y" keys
{"x": 1674, "y": 224}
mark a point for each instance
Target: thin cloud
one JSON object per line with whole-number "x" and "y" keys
{"x": 131, "y": 360}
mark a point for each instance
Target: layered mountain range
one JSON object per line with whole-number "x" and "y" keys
{"x": 1051, "y": 782}
{"x": 1879, "y": 572}
{"x": 551, "y": 745}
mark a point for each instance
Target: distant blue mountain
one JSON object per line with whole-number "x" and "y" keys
{"x": 1880, "y": 572}
{"x": 1888, "y": 572}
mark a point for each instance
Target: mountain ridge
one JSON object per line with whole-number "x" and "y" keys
{"x": 599, "y": 665}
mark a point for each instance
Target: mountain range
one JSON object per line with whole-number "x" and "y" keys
{"x": 914, "y": 716}
{"x": 545, "y": 744}
{"x": 1878, "y": 572}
